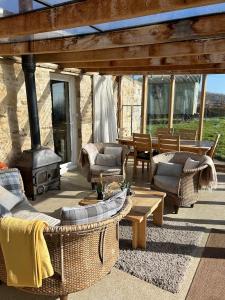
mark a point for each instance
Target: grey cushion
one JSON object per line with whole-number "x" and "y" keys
{"x": 97, "y": 169}
{"x": 4, "y": 212}
{"x": 10, "y": 179}
{"x": 24, "y": 210}
{"x": 8, "y": 199}
{"x": 116, "y": 151}
{"x": 93, "y": 213}
{"x": 169, "y": 169}
{"x": 167, "y": 183}
{"x": 191, "y": 164}
{"x": 106, "y": 160}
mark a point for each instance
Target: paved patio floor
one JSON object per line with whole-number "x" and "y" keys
{"x": 209, "y": 212}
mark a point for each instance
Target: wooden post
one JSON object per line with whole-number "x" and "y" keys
{"x": 144, "y": 103}
{"x": 171, "y": 101}
{"x": 202, "y": 108}
{"x": 119, "y": 104}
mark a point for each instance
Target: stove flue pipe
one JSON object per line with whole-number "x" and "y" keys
{"x": 29, "y": 67}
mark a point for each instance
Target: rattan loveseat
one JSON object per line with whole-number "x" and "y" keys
{"x": 80, "y": 255}
{"x": 187, "y": 193}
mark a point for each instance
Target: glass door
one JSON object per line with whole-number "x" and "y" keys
{"x": 61, "y": 119}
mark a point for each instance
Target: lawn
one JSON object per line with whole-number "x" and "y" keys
{"x": 212, "y": 126}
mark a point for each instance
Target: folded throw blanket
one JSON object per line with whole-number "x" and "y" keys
{"x": 25, "y": 252}
{"x": 208, "y": 176}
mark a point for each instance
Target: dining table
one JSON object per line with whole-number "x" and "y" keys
{"x": 200, "y": 147}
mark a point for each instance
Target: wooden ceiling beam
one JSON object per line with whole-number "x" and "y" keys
{"x": 89, "y": 12}
{"x": 193, "y": 28}
{"x": 215, "y": 46}
{"x": 163, "y": 61}
{"x": 177, "y": 72}
{"x": 161, "y": 68}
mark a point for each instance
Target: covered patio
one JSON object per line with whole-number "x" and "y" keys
{"x": 75, "y": 73}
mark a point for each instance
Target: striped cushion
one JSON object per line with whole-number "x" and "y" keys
{"x": 10, "y": 179}
{"x": 93, "y": 213}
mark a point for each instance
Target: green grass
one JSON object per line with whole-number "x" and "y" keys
{"x": 212, "y": 126}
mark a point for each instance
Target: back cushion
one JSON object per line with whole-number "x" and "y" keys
{"x": 93, "y": 213}
{"x": 10, "y": 179}
{"x": 106, "y": 160}
{"x": 191, "y": 164}
{"x": 7, "y": 199}
{"x": 116, "y": 151}
{"x": 169, "y": 169}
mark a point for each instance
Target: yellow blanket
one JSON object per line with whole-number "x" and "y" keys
{"x": 25, "y": 252}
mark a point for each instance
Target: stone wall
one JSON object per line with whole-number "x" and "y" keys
{"x": 14, "y": 124}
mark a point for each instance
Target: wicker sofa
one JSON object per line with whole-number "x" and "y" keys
{"x": 188, "y": 182}
{"x": 92, "y": 171}
{"x": 80, "y": 255}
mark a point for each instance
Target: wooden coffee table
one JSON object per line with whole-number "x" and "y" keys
{"x": 145, "y": 203}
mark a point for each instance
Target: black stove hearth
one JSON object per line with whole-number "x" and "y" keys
{"x": 39, "y": 166}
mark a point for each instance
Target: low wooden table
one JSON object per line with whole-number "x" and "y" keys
{"x": 145, "y": 203}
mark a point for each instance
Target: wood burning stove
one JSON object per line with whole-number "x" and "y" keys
{"x": 39, "y": 166}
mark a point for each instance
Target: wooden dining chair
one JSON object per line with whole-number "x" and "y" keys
{"x": 142, "y": 151}
{"x": 212, "y": 151}
{"x": 187, "y": 134}
{"x": 168, "y": 143}
{"x": 164, "y": 131}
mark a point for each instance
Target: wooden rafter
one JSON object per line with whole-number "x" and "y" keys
{"x": 89, "y": 12}
{"x": 172, "y": 72}
{"x": 163, "y": 61}
{"x": 161, "y": 68}
{"x": 200, "y": 47}
{"x": 193, "y": 28}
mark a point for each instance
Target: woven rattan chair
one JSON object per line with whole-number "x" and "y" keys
{"x": 142, "y": 151}
{"x": 168, "y": 143}
{"x": 187, "y": 193}
{"x": 80, "y": 254}
{"x": 92, "y": 171}
{"x": 187, "y": 134}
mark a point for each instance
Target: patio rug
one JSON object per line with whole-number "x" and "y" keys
{"x": 167, "y": 256}
{"x": 208, "y": 282}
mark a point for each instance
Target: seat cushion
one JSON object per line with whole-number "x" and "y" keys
{"x": 116, "y": 151}
{"x": 7, "y": 199}
{"x": 24, "y": 210}
{"x": 107, "y": 160}
{"x": 95, "y": 212}
{"x": 97, "y": 169}
{"x": 167, "y": 183}
{"x": 169, "y": 169}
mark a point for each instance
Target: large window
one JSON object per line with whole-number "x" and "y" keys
{"x": 186, "y": 102}
{"x": 214, "y": 121}
{"x": 158, "y": 102}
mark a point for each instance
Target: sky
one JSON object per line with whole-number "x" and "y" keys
{"x": 216, "y": 83}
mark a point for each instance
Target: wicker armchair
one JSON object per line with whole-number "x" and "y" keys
{"x": 80, "y": 255}
{"x": 187, "y": 193}
{"x": 92, "y": 171}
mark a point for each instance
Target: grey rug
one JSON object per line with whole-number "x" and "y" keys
{"x": 168, "y": 254}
